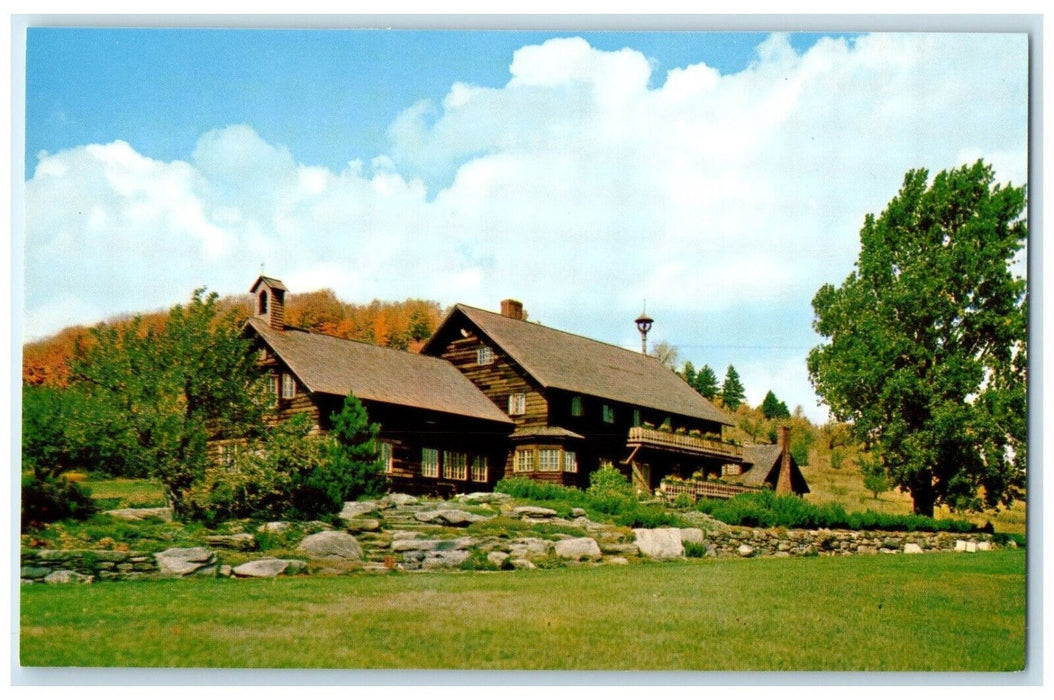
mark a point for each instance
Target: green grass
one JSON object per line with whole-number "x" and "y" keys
{"x": 934, "y": 612}
{"x": 126, "y": 493}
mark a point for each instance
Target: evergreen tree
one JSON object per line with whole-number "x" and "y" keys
{"x": 353, "y": 468}
{"x": 732, "y": 391}
{"x": 773, "y": 407}
{"x": 706, "y": 382}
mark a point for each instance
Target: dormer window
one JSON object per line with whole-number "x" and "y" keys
{"x": 484, "y": 355}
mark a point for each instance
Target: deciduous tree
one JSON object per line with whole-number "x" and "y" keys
{"x": 926, "y": 340}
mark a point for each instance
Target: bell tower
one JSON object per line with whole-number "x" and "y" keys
{"x": 269, "y": 301}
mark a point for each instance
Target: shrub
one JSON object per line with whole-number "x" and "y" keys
{"x": 694, "y": 549}
{"x": 609, "y": 491}
{"x": 647, "y": 517}
{"x": 52, "y": 498}
{"x": 353, "y": 467}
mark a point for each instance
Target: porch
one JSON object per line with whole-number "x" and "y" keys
{"x": 655, "y": 454}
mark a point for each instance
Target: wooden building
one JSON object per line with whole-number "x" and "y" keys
{"x": 579, "y": 404}
{"x": 439, "y": 433}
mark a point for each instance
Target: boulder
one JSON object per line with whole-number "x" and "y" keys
{"x": 67, "y": 576}
{"x": 140, "y": 513}
{"x": 362, "y": 524}
{"x": 481, "y": 497}
{"x": 692, "y": 534}
{"x": 445, "y": 560}
{"x": 449, "y": 516}
{"x": 660, "y": 543}
{"x": 534, "y": 512}
{"x": 185, "y": 561}
{"x": 243, "y": 542}
{"x": 912, "y": 548}
{"x": 276, "y": 526}
{"x": 578, "y": 512}
{"x": 525, "y": 547}
{"x": 355, "y": 509}
{"x": 618, "y": 561}
{"x": 960, "y": 545}
{"x": 745, "y": 550}
{"x": 971, "y": 546}
{"x": 498, "y": 559}
{"x": 261, "y": 568}
{"x": 331, "y": 544}
{"x": 984, "y": 546}
{"x": 401, "y": 499}
{"x": 577, "y": 548}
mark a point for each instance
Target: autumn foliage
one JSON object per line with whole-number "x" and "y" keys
{"x": 401, "y": 324}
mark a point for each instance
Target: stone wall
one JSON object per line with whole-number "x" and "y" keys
{"x": 84, "y": 565}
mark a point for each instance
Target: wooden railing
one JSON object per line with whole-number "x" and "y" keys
{"x": 691, "y": 443}
{"x": 697, "y": 489}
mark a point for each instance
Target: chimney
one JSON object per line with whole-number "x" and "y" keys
{"x": 269, "y": 301}
{"x": 783, "y": 483}
{"x": 510, "y": 308}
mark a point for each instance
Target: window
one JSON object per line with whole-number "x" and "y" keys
{"x": 288, "y": 386}
{"x": 272, "y": 384}
{"x": 430, "y": 462}
{"x": 261, "y": 307}
{"x": 386, "y": 457}
{"x": 263, "y": 354}
{"x": 524, "y": 461}
{"x": 576, "y": 406}
{"x": 484, "y": 355}
{"x": 228, "y": 453}
{"x": 549, "y": 460}
{"x": 609, "y": 414}
{"x": 455, "y": 465}
{"x": 517, "y": 404}
{"x": 731, "y": 469}
{"x": 570, "y": 462}
{"x": 479, "y": 468}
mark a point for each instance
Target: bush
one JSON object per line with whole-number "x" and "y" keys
{"x": 694, "y": 549}
{"x": 52, "y": 498}
{"x": 647, "y": 517}
{"x": 766, "y": 509}
{"x": 610, "y": 492}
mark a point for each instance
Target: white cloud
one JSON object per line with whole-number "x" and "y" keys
{"x": 575, "y": 183}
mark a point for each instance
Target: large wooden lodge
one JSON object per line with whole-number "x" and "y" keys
{"x": 492, "y": 395}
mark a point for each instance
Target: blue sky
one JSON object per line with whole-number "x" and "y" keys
{"x": 721, "y": 176}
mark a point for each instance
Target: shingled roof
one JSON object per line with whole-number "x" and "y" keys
{"x": 766, "y": 468}
{"x": 329, "y": 365}
{"x": 561, "y": 360}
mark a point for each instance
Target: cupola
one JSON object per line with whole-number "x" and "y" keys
{"x": 269, "y": 301}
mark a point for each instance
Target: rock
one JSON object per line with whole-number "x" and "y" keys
{"x": 277, "y": 526}
{"x": 362, "y": 524}
{"x": 577, "y": 548}
{"x": 331, "y": 544}
{"x": 449, "y": 516}
{"x": 185, "y": 561}
{"x": 618, "y": 561}
{"x": 355, "y": 509}
{"x": 745, "y": 550}
{"x": 296, "y": 566}
{"x": 445, "y": 560}
{"x": 67, "y": 576}
{"x": 523, "y": 564}
{"x": 971, "y": 546}
{"x": 498, "y": 559}
{"x": 960, "y": 545}
{"x": 912, "y": 548}
{"x": 865, "y": 549}
{"x": 481, "y": 497}
{"x": 401, "y": 499}
{"x": 140, "y": 513}
{"x": 578, "y": 512}
{"x": 34, "y": 572}
{"x": 534, "y": 512}
{"x": 406, "y": 535}
{"x": 225, "y": 571}
{"x": 660, "y": 543}
{"x": 984, "y": 546}
{"x": 692, "y": 534}
{"x": 408, "y": 545}
{"x": 261, "y": 568}
{"x": 243, "y": 542}
{"x": 620, "y": 548}
{"x": 1012, "y": 544}
{"x": 525, "y": 547}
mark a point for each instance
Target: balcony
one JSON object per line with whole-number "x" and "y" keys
{"x": 686, "y": 444}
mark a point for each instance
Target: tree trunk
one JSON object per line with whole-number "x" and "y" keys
{"x": 924, "y": 501}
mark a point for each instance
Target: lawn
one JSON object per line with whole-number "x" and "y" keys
{"x": 933, "y": 612}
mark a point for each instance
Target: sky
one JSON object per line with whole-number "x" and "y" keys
{"x": 719, "y": 178}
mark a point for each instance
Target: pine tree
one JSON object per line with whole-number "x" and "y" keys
{"x": 732, "y": 391}
{"x": 706, "y": 382}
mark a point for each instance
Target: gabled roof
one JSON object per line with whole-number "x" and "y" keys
{"x": 560, "y": 360}
{"x": 329, "y": 365}
{"x": 269, "y": 281}
{"x": 766, "y": 468}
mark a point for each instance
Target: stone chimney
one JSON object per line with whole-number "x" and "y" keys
{"x": 269, "y": 301}
{"x": 783, "y": 484}
{"x": 510, "y": 308}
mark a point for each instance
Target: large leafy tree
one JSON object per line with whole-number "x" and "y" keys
{"x": 926, "y": 350}
{"x": 160, "y": 395}
{"x": 732, "y": 391}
